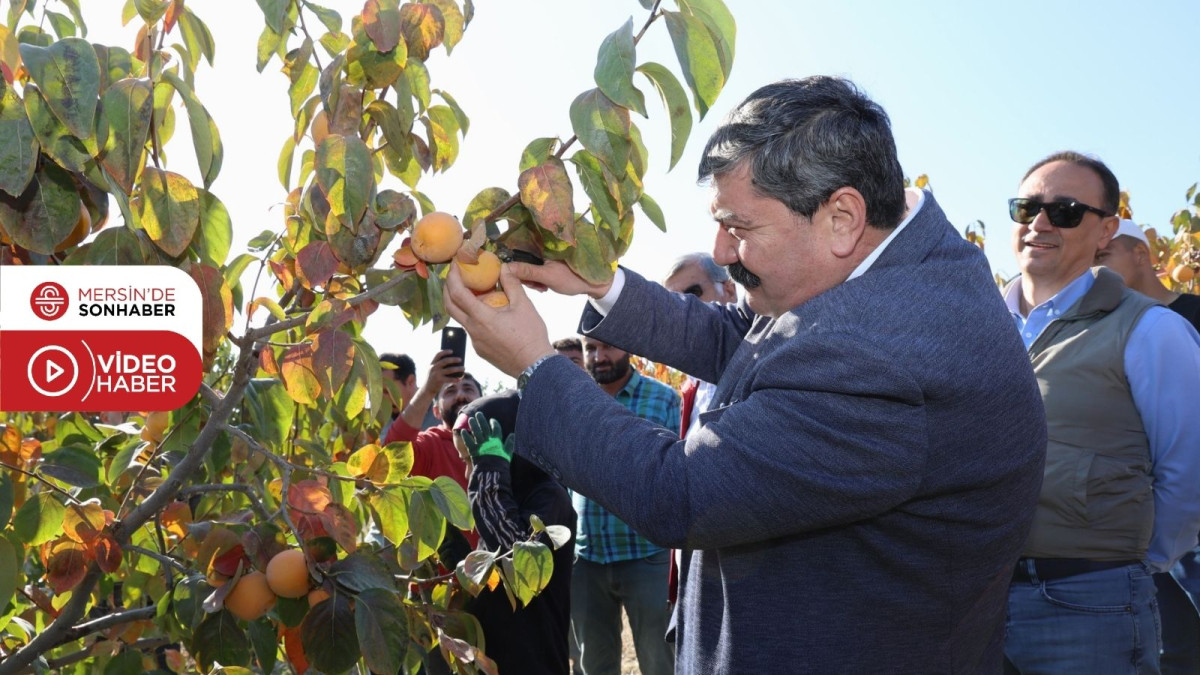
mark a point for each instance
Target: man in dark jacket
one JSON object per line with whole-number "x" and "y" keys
{"x": 859, "y": 490}
{"x": 505, "y": 491}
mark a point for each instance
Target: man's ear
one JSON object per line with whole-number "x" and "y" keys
{"x": 410, "y": 381}
{"x": 1108, "y": 228}
{"x": 730, "y": 289}
{"x": 847, "y": 212}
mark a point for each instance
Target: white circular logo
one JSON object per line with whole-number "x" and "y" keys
{"x": 43, "y": 379}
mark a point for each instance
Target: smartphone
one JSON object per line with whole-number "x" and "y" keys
{"x": 454, "y": 338}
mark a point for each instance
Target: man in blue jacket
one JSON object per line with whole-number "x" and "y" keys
{"x": 861, "y": 485}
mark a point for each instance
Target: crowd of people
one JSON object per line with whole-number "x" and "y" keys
{"x": 879, "y": 461}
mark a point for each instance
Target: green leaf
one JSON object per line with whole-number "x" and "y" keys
{"x": 334, "y": 43}
{"x": 170, "y": 210}
{"x": 547, "y": 192}
{"x": 73, "y": 7}
{"x": 538, "y": 151}
{"x": 187, "y": 600}
{"x": 464, "y": 122}
{"x": 382, "y": 625}
{"x": 358, "y": 572}
{"x": 599, "y": 185}
{"x": 10, "y": 571}
{"x": 55, "y": 140}
{"x": 454, "y": 21}
{"x": 216, "y": 231}
{"x": 387, "y": 118}
{"x": 73, "y": 465}
{"x": 62, "y": 25}
{"x": 427, "y": 523}
{"x": 614, "y": 69}
{"x": 373, "y": 69}
{"x": 391, "y": 506}
{"x": 602, "y": 128}
{"x": 381, "y": 21}
{"x": 218, "y": 639}
{"x": 474, "y": 570}
{"x": 653, "y": 212}
{"x": 417, "y": 77}
{"x": 291, "y": 611}
{"x": 18, "y": 145}
{"x": 443, "y": 136}
{"x": 302, "y": 87}
{"x": 74, "y": 428}
{"x": 271, "y": 411}
{"x": 115, "y": 64}
{"x": 265, "y": 640}
{"x": 329, "y": 635}
{"x": 393, "y": 210}
{"x": 6, "y": 503}
{"x": 128, "y": 105}
{"x": 331, "y": 19}
{"x": 116, "y": 246}
{"x": 676, "y": 102}
{"x": 268, "y": 43}
{"x": 46, "y": 213}
{"x": 344, "y": 172}
{"x": 128, "y": 662}
{"x": 452, "y": 501}
{"x": 197, "y": 37}
{"x": 39, "y": 519}
{"x": 69, "y": 76}
{"x": 588, "y": 259}
{"x": 698, "y": 56}
{"x": 719, "y": 21}
{"x": 274, "y": 11}
{"x": 488, "y": 200}
{"x": 205, "y": 137}
{"x": 151, "y": 10}
{"x": 284, "y": 165}
{"x": 533, "y": 564}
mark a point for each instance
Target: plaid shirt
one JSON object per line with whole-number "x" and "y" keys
{"x": 602, "y": 537}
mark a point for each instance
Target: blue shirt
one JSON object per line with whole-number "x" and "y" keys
{"x": 1162, "y": 365}
{"x": 601, "y": 536}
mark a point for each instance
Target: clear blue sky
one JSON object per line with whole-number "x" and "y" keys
{"x": 976, "y": 91}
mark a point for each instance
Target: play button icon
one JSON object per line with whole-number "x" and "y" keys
{"x": 52, "y": 370}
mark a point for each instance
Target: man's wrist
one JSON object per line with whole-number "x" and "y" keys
{"x": 604, "y": 303}
{"x": 527, "y": 374}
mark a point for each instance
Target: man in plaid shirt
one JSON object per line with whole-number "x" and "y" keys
{"x": 614, "y": 566}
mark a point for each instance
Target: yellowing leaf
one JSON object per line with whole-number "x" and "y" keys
{"x": 170, "y": 210}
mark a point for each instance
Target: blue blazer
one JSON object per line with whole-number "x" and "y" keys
{"x": 861, "y": 488}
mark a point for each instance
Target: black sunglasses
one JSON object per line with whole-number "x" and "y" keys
{"x": 1061, "y": 214}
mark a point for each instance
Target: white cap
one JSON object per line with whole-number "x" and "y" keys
{"x": 1129, "y": 228}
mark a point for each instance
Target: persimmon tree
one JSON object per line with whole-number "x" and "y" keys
{"x": 168, "y": 540}
{"x": 1176, "y": 255}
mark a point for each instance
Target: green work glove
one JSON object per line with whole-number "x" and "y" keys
{"x": 484, "y": 438}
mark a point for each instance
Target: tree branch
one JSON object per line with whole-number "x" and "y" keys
{"x": 164, "y": 559}
{"x": 251, "y": 495}
{"x": 257, "y": 334}
{"x": 69, "y": 497}
{"x": 140, "y": 645}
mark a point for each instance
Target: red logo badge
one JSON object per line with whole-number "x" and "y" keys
{"x": 49, "y": 301}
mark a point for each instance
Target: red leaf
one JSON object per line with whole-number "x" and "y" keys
{"x": 340, "y": 523}
{"x": 172, "y": 15}
{"x": 266, "y": 360}
{"x": 66, "y": 563}
{"x": 227, "y": 563}
{"x": 315, "y": 264}
{"x": 309, "y": 496}
{"x": 107, "y": 553}
{"x": 382, "y": 23}
{"x": 298, "y": 374}
{"x": 218, "y": 306}
{"x": 294, "y": 650}
{"x": 333, "y": 357}
{"x": 546, "y": 191}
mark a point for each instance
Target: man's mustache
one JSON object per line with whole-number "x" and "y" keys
{"x": 743, "y": 276}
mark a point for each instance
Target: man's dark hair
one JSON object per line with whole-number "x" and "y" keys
{"x": 1112, "y": 188}
{"x": 403, "y": 362}
{"x": 805, "y": 139}
{"x": 568, "y": 344}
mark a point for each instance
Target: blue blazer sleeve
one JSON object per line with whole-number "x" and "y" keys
{"x": 683, "y": 332}
{"x": 787, "y": 459}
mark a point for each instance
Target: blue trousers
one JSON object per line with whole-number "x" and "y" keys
{"x": 597, "y": 594}
{"x": 1098, "y": 623}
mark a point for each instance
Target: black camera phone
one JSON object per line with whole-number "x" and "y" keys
{"x": 454, "y": 338}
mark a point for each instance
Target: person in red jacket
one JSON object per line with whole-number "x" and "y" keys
{"x": 434, "y": 454}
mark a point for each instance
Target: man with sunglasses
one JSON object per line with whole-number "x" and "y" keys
{"x": 1120, "y": 498}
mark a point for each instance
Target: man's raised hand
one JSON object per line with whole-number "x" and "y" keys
{"x": 558, "y": 277}
{"x": 510, "y": 337}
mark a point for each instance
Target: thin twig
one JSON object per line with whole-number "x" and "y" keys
{"x": 33, "y": 474}
{"x": 76, "y": 657}
{"x": 251, "y": 495}
{"x": 256, "y": 334}
{"x": 160, "y": 557}
{"x": 304, "y": 27}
